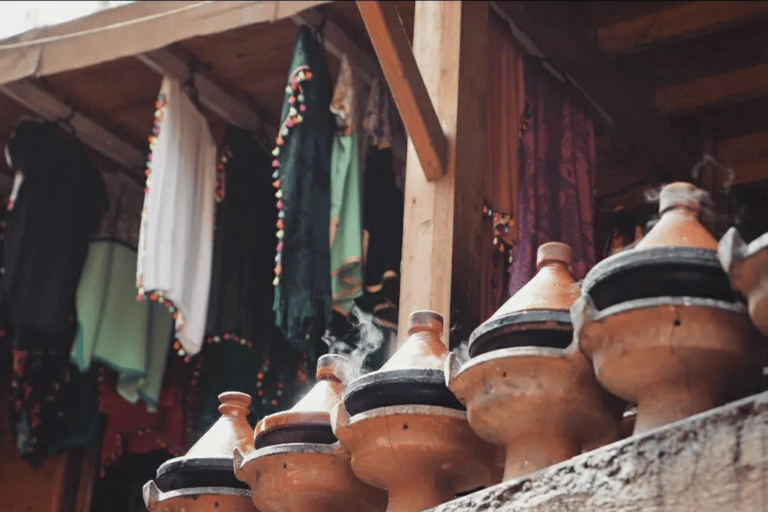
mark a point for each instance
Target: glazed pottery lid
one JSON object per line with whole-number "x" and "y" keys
{"x": 209, "y": 462}
{"x": 678, "y": 257}
{"x": 309, "y": 421}
{"x": 414, "y": 375}
{"x": 539, "y": 313}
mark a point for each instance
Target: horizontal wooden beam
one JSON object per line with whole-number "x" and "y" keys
{"x": 338, "y": 43}
{"x": 129, "y": 30}
{"x": 742, "y": 84}
{"x": 747, "y": 156}
{"x": 685, "y": 21}
{"x": 639, "y": 125}
{"x": 88, "y": 132}
{"x": 406, "y": 83}
{"x": 211, "y": 96}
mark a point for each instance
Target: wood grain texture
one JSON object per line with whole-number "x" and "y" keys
{"x": 684, "y": 21}
{"x": 713, "y": 462}
{"x": 453, "y": 67}
{"x": 393, "y": 49}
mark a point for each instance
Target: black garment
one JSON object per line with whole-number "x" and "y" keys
{"x": 244, "y": 350}
{"x": 59, "y": 204}
{"x": 383, "y": 218}
{"x": 303, "y": 290}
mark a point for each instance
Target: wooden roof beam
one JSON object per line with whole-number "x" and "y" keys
{"x": 685, "y": 21}
{"x": 211, "y": 96}
{"x": 90, "y": 133}
{"x": 641, "y": 126}
{"x": 740, "y": 85}
{"x": 406, "y": 83}
{"x": 338, "y": 43}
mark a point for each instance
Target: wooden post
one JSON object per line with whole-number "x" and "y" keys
{"x": 442, "y": 220}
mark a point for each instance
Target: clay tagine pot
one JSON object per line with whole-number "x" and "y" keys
{"x": 406, "y": 431}
{"x": 526, "y": 386}
{"x": 661, "y": 324}
{"x": 203, "y": 480}
{"x": 298, "y": 465}
{"x": 747, "y": 268}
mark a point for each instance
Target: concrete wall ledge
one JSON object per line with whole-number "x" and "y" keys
{"x": 715, "y": 461}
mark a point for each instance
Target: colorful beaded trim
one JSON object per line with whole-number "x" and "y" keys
{"x": 158, "y": 295}
{"x": 294, "y": 118}
{"x": 502, "y": 222}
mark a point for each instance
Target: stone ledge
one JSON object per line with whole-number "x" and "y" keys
{"x": 715, "y": 461}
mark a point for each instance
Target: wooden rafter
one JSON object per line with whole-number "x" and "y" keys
{"x": 739, "y": 85}
{"x": 211, "y": 96}
{"x": 691, "y": 19}
{"x": 747, "y": 156}
{"x": 640, "y": 125}
{"x": 406, "y": 83}
{"x": 90, "y": 133}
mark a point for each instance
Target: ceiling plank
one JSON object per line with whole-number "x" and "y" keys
{"x": 685, "y": 21}
{"x": 637, "y": 123}
{"x": 407, "y": 85}
{"x": 90, "y": 133}
{"x": 734, "y": 86}
{"x": 748, "y": 156}
{"x": 211, "y": 96}
{"x": 132, "y": 29}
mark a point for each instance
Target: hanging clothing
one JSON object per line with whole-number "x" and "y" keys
{"x": 244, "y": 350}
{"x": 132, "y": 427}
{"x": 176, "y": 238}
{"x": 302, "y": 302}
{"x": 122, "y": 221}
{"x": 55, "y": 210}
{"x": 129, "y": 337}
{"x": 557, "y": 175}
{"x": 504, "y": 105}
{"x": 383, "y": 205}
{"x": 59, "y": 205}
{"x": 345, "y": 229}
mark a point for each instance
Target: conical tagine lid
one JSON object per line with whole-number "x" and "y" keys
{"x": 545, "y": 299}
{"x": 315, "y": 407}
{"x": 209, "y": 461}
{"x": 679, "y": 226}
{"x": 423, "y": 348}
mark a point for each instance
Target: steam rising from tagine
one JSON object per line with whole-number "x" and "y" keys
{"x": 363, "y": 339}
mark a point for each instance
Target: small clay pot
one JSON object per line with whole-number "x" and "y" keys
{"x": 672, "y": 356}
{"x": 747, "y": 269}
{"x": 423, "y": 453}
{"x": 542, "y": 403}
{"x": 298, "y": 465}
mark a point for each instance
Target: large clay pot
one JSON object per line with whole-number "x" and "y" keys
{"x": 298, "y": 466}
{"x": 542, "y": 402}
{"x": 747, "y": 268}
{"x": 660, "y": 323}
{"x": 203, "y": 480}
{"x": 422, "y": 453}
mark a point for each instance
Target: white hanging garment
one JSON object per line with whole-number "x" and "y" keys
{"x": 176, "y": 237}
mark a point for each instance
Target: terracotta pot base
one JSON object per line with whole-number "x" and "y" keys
{"x": 203, "y": 499}
{"x": 423, "y": 455}
{"x": 307, "y": 477}
{"x": 673, "y": 356}
{"x": 542, "y": 404}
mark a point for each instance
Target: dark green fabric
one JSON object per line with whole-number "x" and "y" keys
{"x": 302, "y": 302}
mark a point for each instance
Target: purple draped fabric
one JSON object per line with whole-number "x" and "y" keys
{"x": 557, "y": 175}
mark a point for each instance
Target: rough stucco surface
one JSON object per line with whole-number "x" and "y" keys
{"x": 715, "y": 461}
